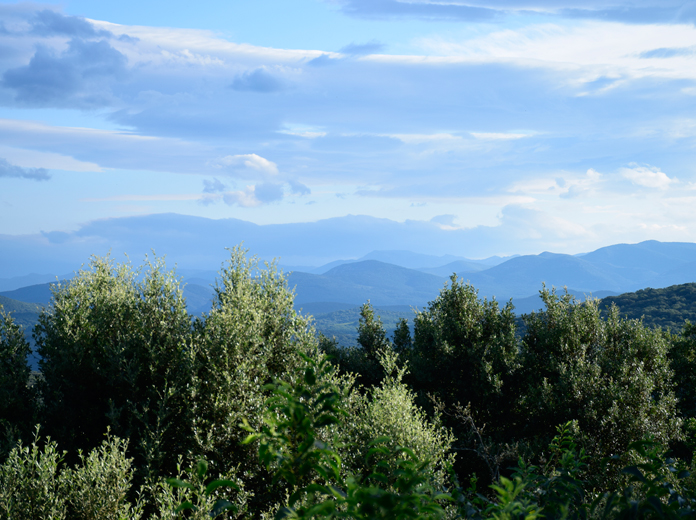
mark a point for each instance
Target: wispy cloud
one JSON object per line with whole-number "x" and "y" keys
{"x": 12, "y": 170}
{"x": 362, "y": 49}
{"x": 247, "y": 163}
{"x": 647, "y": 176}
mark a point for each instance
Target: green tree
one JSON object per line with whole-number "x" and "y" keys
{"x": 402, "y": 336}
{"x": 251, "y": 336}
{"x": 612, "y": 376}
{"x": 683, "y": 360}
{"x": 389, "y": 410}
{"x": 115, "y": 348}
{"x": 465, "y": 350}
{"x": 371, "y": 334}
{"x": 16, "y": 397}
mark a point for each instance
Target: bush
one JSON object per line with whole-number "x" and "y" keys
{"x": 251, "y": 336}
{"x": 98, "y": 488}
{"x": 30, "y": 483}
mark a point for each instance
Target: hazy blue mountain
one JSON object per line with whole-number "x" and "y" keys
{"x": 524, "y": 275}
{"x": 17, "y": 282}
{"x": 494, "y": 260}
{"x": 327, "y": 267}
{"x": 198, "y": 298}
{"x": 652, "y": 255}
{"x": 461, "y": 267}
{"x": 618, "y": 269}
{"x": 443, "y": 265}
{"x": 23, "y": 313}
{"x": 39, "y": 293}
{"x": 383, "y": 284}
{"x": 410, "y": 259}
{"x": 685, "y": 273}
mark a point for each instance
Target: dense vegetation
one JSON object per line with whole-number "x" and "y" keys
{"x": 456, "y": 414}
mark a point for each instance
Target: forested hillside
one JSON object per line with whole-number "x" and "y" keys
{"x": 23, "y": 313}
{"x": 668, "y": 308}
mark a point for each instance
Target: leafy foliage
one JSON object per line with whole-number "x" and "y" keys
{"x": 16, "y": 398}
{"x": 387, "y": 429}
{"x": 30, "y": 483}
{"x": 612, "y": 376}
{"x": 251, "y": 336}
{"x": 114, "y": 354}
{"x": 683, "y": 360}
{"x": 464, "y": 350}
{"x": 98, "y": 487}
{"x": 399, "y": 485}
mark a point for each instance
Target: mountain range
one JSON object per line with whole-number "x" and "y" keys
{"x": 411, "y": 279}
{"x": 397, "y": 281}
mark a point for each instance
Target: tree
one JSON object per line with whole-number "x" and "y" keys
{"x": 251, "y": 335}
{"x": 465, "y": 350}
{"x": 115, "y": 348}
{"x": 371, "y": 334}
{"x": 683, "y": 361}
{"x": 612, "y": 376}
{"x": 402, "y": 336}
{"x": 16, "y": 398}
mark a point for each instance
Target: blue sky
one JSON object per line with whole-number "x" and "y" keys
{"x": 518, "y": 126}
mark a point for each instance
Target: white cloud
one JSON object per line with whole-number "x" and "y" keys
{"x": 249, "y": 162}
{"x": 423, "y": 138}
{"x": 305, "y": 131}
{"x": 589, "y": 50}
{"x": 163, "y": 45}
{"x": 648, "y": 176}
{"x": 563, "y": 185}
{"x": 253, "y": 196}
{"x": 496, "y": 136}
{"x": 245, "y": 198}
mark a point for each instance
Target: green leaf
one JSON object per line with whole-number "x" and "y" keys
{"x": 185, "y": 506}
{"x": 221, "y": 506}
{"x": 310, "y": 376}
{"x": 178, "y": 483}
{"x": 635, "y": 472}
{"x": 250, "y": 438}
{"x": 219, "y": 483}
{"x": 201, "y": 468}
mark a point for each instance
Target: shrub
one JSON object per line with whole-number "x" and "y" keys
{"x": 30, "y": 483}
{"x": 98, "y": 488}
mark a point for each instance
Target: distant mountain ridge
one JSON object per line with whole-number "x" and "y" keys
{"x": 609, "y": 270}
{"x": 357, "y": 282}
{"x": 421, "y": 262}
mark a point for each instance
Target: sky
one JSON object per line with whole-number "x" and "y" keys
{"x": 516, "y": 126}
